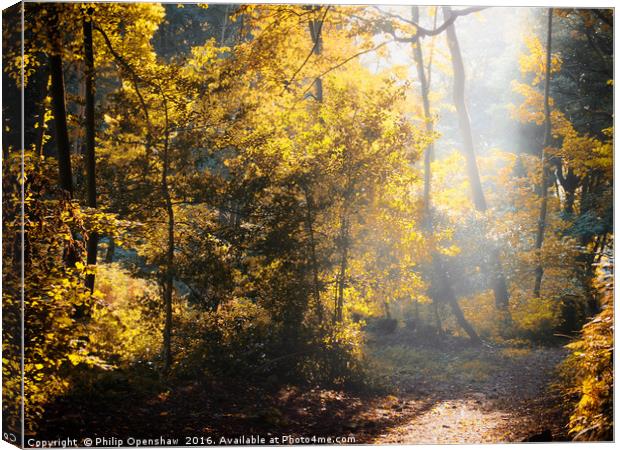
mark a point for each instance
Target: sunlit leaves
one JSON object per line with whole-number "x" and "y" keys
{"x": 534, "y": 62}
{"x": 591, "y": 378}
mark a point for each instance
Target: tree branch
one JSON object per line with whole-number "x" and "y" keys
{"x": 342, "y": 63}
{"x": 421, "y": 31}
{"x": 135, "y": 78}
{"x": 312, "y": 50}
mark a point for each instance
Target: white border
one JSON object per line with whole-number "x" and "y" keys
{"x": 505, "y": 3}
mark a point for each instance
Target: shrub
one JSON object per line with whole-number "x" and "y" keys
{"x": 125, "y": 325}
{"x": 590, "y": 369}
{"x": 382, "y": 325}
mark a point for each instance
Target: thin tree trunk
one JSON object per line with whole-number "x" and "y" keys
{"x": 428, "y": 152}
{"x": 80, "y": 113}
{"x": 168, "y": 281}
{"x": 342, "y": 273}
{"x": 224, "y": 24}
{"x": 438, "y": 267}
{"x": 58, "y": 103}
{"x": 437, "y": 318}
{"x": 109, "y": 255}
{"x": 386, "y": 309}
{"x": 498, "y": 280}
{"x": 313, "y": 259}
{"x": 93, "y": 239}
{"x": 542, "y": 217}
{"x": 317, "y": 42}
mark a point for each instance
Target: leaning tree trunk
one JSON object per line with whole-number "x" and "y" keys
{"x": 58, "y": 102}
{"x": 445, "y": 287}
{"x": 544, "y": 184}
{"x": 93, "y": 238}
{"x": 498, "y": 280}
{"x": 446, "y": 292}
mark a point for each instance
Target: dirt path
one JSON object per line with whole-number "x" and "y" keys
{"x": 483, "y": 395}
{"x": 442, "y": 393}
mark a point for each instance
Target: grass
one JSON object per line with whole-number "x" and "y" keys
{"x": 406, "y": 364}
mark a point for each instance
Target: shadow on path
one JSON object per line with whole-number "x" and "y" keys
{"x": 450, "y": 396}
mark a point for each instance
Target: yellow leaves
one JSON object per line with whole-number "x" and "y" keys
{"x": 532, "y": 107}
{"x": 64, "y": 322}
{"x": 582, "y": 153}
{"x": 592, "y": 363}
{"x": 90, "y": 360}
{"x": 451, "y": 250}
{"x": 205, "y": 55}
{"x": 109, "y": 120}
{"x": 20, "y": 64}
{"x": 535, "y": 61}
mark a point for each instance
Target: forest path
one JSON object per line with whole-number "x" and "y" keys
{"x": 469, "y": 395}
{"x": 444, "y": 391}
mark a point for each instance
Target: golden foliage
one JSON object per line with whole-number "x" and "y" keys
{"x": 591, "y": 367}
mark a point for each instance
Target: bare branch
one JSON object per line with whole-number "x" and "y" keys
{"x": 422, "y": 32}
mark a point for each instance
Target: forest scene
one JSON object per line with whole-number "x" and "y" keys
{"x": 306, "y": 224}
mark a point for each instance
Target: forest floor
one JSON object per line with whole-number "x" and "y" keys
{"x": 445, "y": 392}
{"x": 454, "y": 394}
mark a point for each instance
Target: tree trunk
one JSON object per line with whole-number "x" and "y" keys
{"x": 447, "y": 294}
{"x": 58, "y": 103}
{"x": 224, "y": 24}
{"x": 428, "y": 152}
{"x": 438, "y": 267}
{"x": 168, "y": 279}
{"x": 542, "y": 216}
{"x": 93, "y": 239}
{"x": 495, "y": 269}
{"x": 569, "y": 183}
{"x": 317, "y": 42}
{"x": 313, "y": 259}
{"x": 342, "y": 273}
{"x": 109, "y": 255}
{"x": 386, "y": 309}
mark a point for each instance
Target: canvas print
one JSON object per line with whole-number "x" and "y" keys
{"x": 291, "y": 224}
